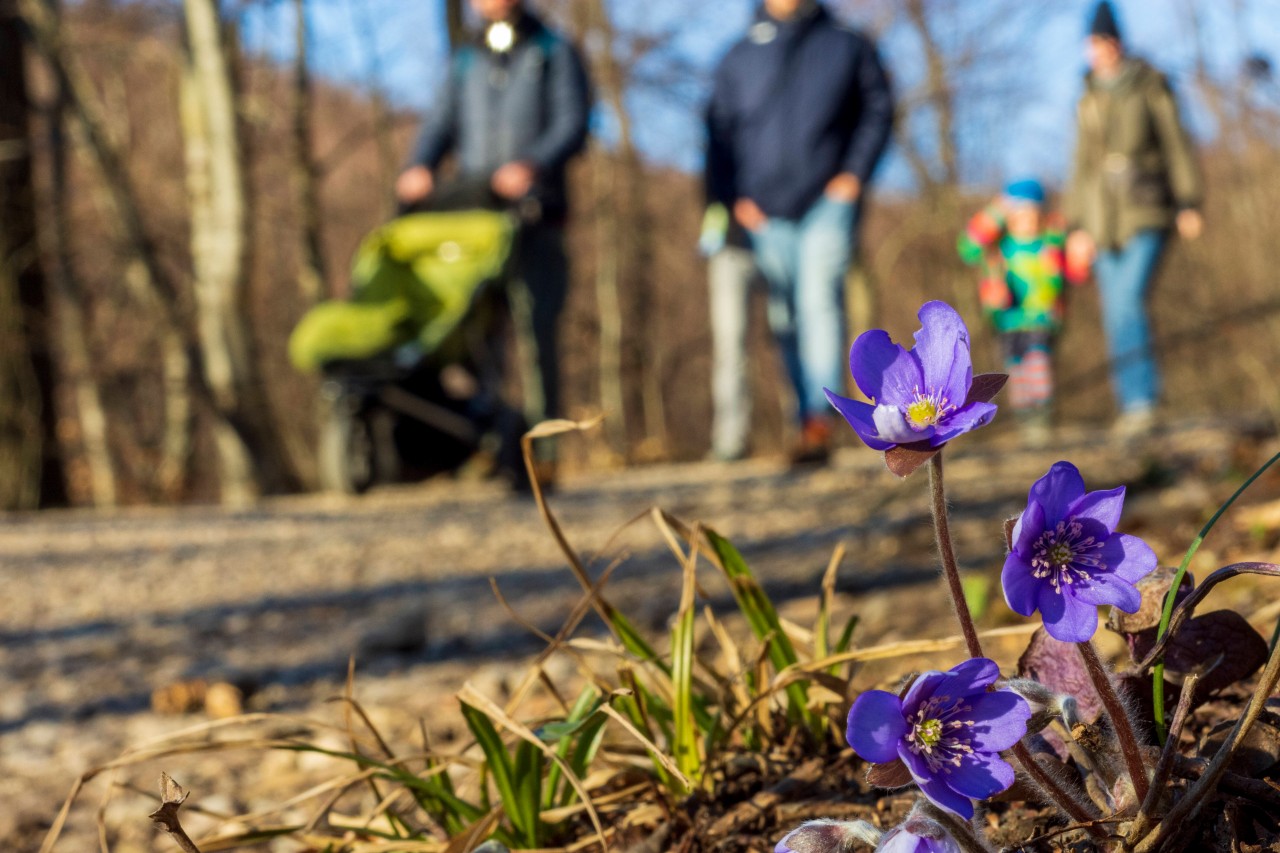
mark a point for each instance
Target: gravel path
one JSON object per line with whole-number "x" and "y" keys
{"x": 98, "y": 611}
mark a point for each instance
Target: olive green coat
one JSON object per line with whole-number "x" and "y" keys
{"x": 1134, "y": 165}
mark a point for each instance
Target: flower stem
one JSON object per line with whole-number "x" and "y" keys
{"x": 942, "y": 531}
{"x": 1064, "y": 799}
{"x": 962, "y": 832}
{"x": 1119, "y": 719}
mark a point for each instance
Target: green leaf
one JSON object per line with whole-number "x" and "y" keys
{"x": 763, "y": 619}
{"x": 498, "y": 761}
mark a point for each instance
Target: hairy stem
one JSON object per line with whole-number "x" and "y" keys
{"x": 1120, "y": 721}
{"x": 1064, "y": 799}
{"x": 961, "y": 831}
{"x": 1164, "y": 767}
{"x": 942, "y": 531}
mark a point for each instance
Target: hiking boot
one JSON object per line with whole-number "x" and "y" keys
{"x": 814, "y": 444}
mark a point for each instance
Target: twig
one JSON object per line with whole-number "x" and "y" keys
{"x": 1165, "y": 766}
{"x": 1179, "y": 819}
{"x": 171, "y": 799}
{"x": 950, "y": 569}
{"x": 1120, "y": 721}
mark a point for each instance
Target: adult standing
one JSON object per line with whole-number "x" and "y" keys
{"x": 1134, "y": 180}
{"x": 513, "y": 111}
{"x": 800, "y": 114}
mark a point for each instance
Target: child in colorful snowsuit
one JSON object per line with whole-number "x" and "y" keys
{"x": 1021, "y": 250}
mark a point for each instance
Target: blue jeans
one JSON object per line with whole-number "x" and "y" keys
{"x": 1124, "y": 277}
{"x": 805, "y": 262}
{"x": 730, "y": 274}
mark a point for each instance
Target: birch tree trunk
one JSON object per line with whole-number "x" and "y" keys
{"x": 30, "y": 461}
{"x": 250, "y": 453}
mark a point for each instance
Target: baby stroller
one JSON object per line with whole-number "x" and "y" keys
{"x": 411, "y": 368}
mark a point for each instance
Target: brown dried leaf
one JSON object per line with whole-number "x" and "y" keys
{"x": 1154, "y": 587}
{"x": 892, "y": 774}
{"x": 985, "y": 387}
{"x": 1057, "y": 665}
{"x": 905, "y": 458}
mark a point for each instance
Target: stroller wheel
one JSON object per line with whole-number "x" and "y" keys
{"x": 353, "y": 450}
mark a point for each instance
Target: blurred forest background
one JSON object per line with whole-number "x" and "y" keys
{"x": 173, "y": 198}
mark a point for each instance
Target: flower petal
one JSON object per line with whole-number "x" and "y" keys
{"x": 1021, "y": 586}
{"x": 1057, "y": 490}
{"x": 942, "y": 346}
{"x": 972, "y": 676}
{"x": 921, "y": 689}
{"x": 1107, "y": 588}
{"x": 1000, "y": 720}
{"x": 1030, "y": 527}
{"x": 1103, "y": 506}
{"x": 980, "y": 775}
{"x": 965, "y": 419}
{"x": 883, "y": 370}
{"x": 942, "y": 795}
{"x": 858, "y": 414}
{"x": 891, "y": 424}
{"x": 1066, "y": 618}
{"x": 876, "y": 726}
{"x": 1128, "y": 557}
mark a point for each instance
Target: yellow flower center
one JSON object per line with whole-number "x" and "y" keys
{"x": 923, "y": 412}
{"x": 929, "y": 732}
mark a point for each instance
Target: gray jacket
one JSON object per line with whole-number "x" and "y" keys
{"x": 531, "y": 103}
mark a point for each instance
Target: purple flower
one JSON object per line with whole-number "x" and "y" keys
{"x": 900, "y": 840}
{"x": 922, "y": 397}
{"x": 947, "y": 729}
{"x": 917, "y": 834}
{"x": 1066, "y": 558}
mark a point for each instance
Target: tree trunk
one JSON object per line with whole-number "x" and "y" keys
{"x": 311, "y": 273}
{"x": 250, "y": 457}
{"x": 455, "y": 23}
{"x": 72, "y": 327}
{"x": 149, "y": 283}
{"x": 30, "y": 461}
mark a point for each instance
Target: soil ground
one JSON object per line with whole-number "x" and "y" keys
{"x": 99, "y": 611}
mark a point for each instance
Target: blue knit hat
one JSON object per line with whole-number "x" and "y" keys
{"x": 1104, "y": 22}
{"x": 1025, "y": 189}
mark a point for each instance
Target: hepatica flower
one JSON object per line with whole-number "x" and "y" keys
{"x": 947, "y": 729}
{"x": 922, "y": 397}
{"x": 1067, "y": 559}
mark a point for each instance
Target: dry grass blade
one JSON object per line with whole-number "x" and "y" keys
{"x": 171, "y": 799}
{"x": 490, "y": 709}
{"x": 906, "y": 648}
{"x": 649, "y": 745}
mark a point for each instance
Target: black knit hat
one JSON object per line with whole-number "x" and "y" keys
{"x": 1104, "y": 22}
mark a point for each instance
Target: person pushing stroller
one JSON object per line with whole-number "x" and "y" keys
{"x": 514, "y": 110}
{"x": 1022, "y": 253}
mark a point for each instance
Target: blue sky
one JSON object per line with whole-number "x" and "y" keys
{"x": 401, "y": 44}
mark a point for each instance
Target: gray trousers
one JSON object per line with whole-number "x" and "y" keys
{"x": 536, "y": 303}
{"x": 730, "y": 274}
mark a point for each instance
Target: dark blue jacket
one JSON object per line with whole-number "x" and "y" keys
{"x": 531, "y": 103}
{"x": 795, "y": 103}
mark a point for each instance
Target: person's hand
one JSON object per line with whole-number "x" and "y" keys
{"x": 1081, "y": 250}
{"x": 1190, "y": 224}
{"x": 843, "y": 187}
{"x": 414, "y": 184}
{"x": 514, "y": 180}
{"x": 749, "y": 214}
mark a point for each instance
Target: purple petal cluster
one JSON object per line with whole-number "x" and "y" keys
{"x": 948, "y": 730}
{"x": 1067, "y": 559}
{"x": 919, "y": 396}
{"x": 899, "y": 840}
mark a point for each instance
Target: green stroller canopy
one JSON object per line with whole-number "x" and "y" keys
{"x": 413, "y": 279}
